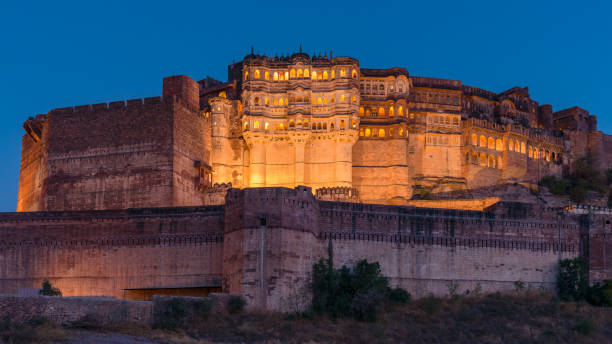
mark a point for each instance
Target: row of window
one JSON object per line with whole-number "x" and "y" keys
{"x": 443, "y": 120}
{"x": 484, "y": 160}
{"x": 299, "y": 99}
{"x": 442, "y": 140}
{"x": 515, "y": 146}
{"x": 381, "y": 111}
{"x": 424, "y": 97}
{"x": 300, "y": 74}
{"x": 381, "y": 132}
{"x": 378, "y": 87}
{"x": 297, "y": 124}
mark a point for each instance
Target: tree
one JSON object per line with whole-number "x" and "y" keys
{"x": 572, "y": 281}
{"x": 48, "y": 290}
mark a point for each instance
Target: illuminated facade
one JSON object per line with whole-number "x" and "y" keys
{"x": 349, "y": 133}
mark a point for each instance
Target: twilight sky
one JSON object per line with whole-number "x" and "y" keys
{"x": 58, "y": 53}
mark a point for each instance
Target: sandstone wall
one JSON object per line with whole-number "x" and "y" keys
{"x": 33, "y": 168}
{"x": 104, "y": 253}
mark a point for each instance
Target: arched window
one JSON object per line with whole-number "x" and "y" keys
{"x": 523, "y": 147}
{"x": 299, "y": 99}
{"x": 491, "y": 161}
{"x": 320, "y": 76}
{"x": 483, "y": 141}
{"x": 282, "y": 126}
{"x": 342, "y": 73}
{"x": 286, "y": 75}
{"x": 306, "y": 73}
{"x": 299, "y": 123}
{"x": 266, "y": 101}
{"x": 267, "y": 126}
{"x": 535, "y": 153}
{"x": 499, "y": 145}
{"x": 331, "y": 126}
{"x": 474, "y": 158}
{"x": 325, "y": 75}
{"x": 317, "y": 126}
{"x": 305, "y": 124}
{"x": 314, "y": 101}
{"x": 401, "y": 131}
{"x": 291, "y": 124}
{"x": 306, "y": 99}
{"x": 400, "y": 111}
{"x": 499, "y": 162}
{"x": 361, "y": 111}
{"x": 292, "y": 99}
{"x": 246, "y": 126}
{"x": 256, "y": 125}
{"x": 256, "y": 101}
{"x": 391, "y": 111}
{"x": 354, "y": 74}
{"x": 314, "y": 75}
{"x": 530, "y": 152}
{"x": 299, "y": 73}
{"x": 275, "y": 101}
{"x": 333, "y": 74}
{"x": 256, "y": 73}
{"x": 354, "y": 124}
{"x": 381, "y": 111}
{"x": 517, "y": 146}
{"x": 367, "y": 132}
{"x": 332, "y": 99}
{"x": 222, "y": 94}
{"x": 381, "y": 132}
{"x": 360, "y": 131}
{"x": 267, "y": 75}
{"x": 281, "y": 76}
{"x": 483, "y": 160}
{"x": 342, "y": 98}
{"x": 491, "y": 143}
{"x": 292, "y": 73}
{"x": 246, "y": 75}
{"x": 275, "y": 76}
{"x": 281, "y": 102}
{"x": 319, "y": 101}
{"x": 510, "y": 145}
{"x": 455, "y": 121}
{"x": 341, "y": 124}
{"x": 354, "y": 98}
{"x": 324, "y": 126}
{"x": 474, "y": 140}
{"x": 324, "y": 100}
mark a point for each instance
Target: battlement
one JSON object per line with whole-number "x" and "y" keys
{"x": 479, "y": 92}
{"x": 419, "y": 81}
{"x": 338, "y": 194}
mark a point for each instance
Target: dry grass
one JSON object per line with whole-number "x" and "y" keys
{"x": 486, "y": 319}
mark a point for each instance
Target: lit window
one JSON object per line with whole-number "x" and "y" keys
{"x": 342, "y": 98}
{"x": 314, "y": 75}
{"x": 266, "y": 101}
{"x": 341, "y": 124}
{"x": 483, "y": 141}
{"x": 222, "y": 94}
{"x": 491, "y": 143}
{"x": 267, "y": 126}
{"x": 354, "y": 74}
{"x": 354, "y": 124}
{"x": 381, "y": 111}
{"x": 275, "y": 101}
{"x": 367, "y": 132}
{"x": 342, "y": 73}
{"x": 354, "y": 99}
{"x": 256, "y": 101}
{"x": 333, "y": 74}
{"x": 256, "y": 73}
{"x": 381, "y": 133}
{"x": 523, "y": 147}
{"x": 361, "y": 111}
{"x": 324, "y": 75}
{"x": 306, "y": 73}
{"x": 256, "y": 125}
{"x": 246, "y": 75}
{"x": 530, "y": 152}
{"x": 299, "y": 73}
{"x": 499, "y": 145}
{"x": 400, "y": 111}
{"x": 511, "y": 145}
{"x": 324, "y": 100}
{"x": 286, "y": 75}
{"x": 275, "y": 76}
{"x": 267, "y": 76}
{"x": 319, "y": 101}
{"x": 391, "y": 111}
{"x": 292, "y": 73}
{"x": 281, "y": 102}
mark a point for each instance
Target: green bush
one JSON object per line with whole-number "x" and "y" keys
{"x": 235, "y": 304}
{"x": 585, "y": 326}
{"x": 353, "y": 292}
{"x": 584, "y": 177}
{"x": 170, "y": 314}
{"x": 572, "y": 281}
{"x": 399, "y": 295}
{"x": 48, "y": 290}
{"x": 600, "y": 295}
{"x": 431, "y": 304}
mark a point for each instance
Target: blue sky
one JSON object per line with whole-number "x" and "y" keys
{"x": 57, "y": 53}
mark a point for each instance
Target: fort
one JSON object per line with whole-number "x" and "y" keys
{"x": 241, "y": 186}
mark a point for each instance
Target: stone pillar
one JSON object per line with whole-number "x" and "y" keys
{"x": 299, "y": 140}
{"x": 222, "y": 154}
{"x": 257, "y": 163}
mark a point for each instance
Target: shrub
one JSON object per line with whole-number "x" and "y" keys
{"x": 170, "y": 314}
{"x": 572, "y": 281}
{"x": 48, "y": 290}
{"x": 431, "y": 304}
{"x": 585, "y": 326}
{"x": 399, "y": 295}
{"x": 352, "y": 292}
{"x": 600, "y": 295}
{"x": 235, "y": 304}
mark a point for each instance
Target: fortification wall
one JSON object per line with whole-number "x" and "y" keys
{"x": 599, "y": 247}
{"x": 110, "y": 156}
{"x": 105, "y": 252}
{"x": 381, "y": 170}
{"x": 33, "y": 167}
